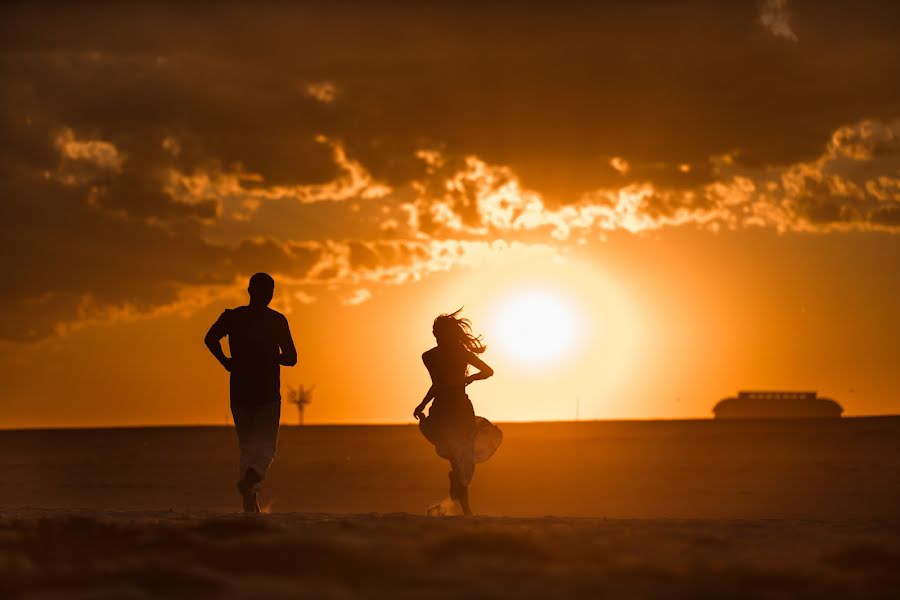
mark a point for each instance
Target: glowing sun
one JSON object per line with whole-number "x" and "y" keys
{"x": 535, "y": 326}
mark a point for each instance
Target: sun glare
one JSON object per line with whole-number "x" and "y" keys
{"x": 535, "y": 326}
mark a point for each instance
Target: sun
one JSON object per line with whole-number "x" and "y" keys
{"x": 535, "y": 326}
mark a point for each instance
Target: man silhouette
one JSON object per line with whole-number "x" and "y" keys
{"x": 260, "y": 342}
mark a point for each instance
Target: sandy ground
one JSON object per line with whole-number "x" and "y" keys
{"x": 683, "y": 469}
{"x": 93, "y": 554}
{"x": 641, "y": 509}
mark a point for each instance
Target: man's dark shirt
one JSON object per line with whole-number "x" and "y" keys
{"x": 257, "y": 337}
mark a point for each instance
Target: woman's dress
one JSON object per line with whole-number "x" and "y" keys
{"x": 457, "y": 433}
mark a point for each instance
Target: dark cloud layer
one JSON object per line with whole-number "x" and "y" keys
{"x": 149, "y": 148}
{"x": 60, "y": 254}
{"x": 551, "y": 89}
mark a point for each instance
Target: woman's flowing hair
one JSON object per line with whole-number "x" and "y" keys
{"x": 458, "y": 329}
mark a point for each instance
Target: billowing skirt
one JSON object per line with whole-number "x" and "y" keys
{"x": 458, "y": 435}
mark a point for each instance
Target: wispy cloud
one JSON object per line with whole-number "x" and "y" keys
{"x": 774, "y": 16}
{"x": 322, "y": 91}
{"x": 242, "y": 192}
{"x": 851, "y": 186}
{"x": 620, "y": 164}
{"x": 99, "y": 154}
{"x": 357, "y": 297}
{"x": 338, "y": 168}
{"x": 460, "y": 212}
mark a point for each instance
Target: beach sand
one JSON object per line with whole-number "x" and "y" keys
{"x": 689, "y": 509}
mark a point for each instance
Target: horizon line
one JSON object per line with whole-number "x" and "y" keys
{"x": 413, "y": 424}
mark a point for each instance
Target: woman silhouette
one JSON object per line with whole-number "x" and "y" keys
{"x": 451, "y": 425}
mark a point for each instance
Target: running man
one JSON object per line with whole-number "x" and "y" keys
{"x": 260, "y": 342}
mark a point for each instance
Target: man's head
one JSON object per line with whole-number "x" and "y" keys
{"x": 261, "y": 288}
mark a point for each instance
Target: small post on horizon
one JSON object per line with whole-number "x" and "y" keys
{"x": 577, "y": 407}
{"x": 301, "y": 397}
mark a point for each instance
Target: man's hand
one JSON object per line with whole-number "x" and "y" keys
{"x": 419, "y": 413}
{"x": 227, "y": 363}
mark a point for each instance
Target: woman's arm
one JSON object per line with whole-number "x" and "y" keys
{"x": 419, "y": 412}
{"x": 484, "y": 371}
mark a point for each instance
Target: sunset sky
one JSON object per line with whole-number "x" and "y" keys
{"x": 686, "y": 198}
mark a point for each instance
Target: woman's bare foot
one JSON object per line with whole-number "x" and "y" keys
{"x": 459, "y": 493}
{"x": 463, "y": 499}
{"x": 448, "y": 507}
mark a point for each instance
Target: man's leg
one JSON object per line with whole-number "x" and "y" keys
{"x": 265, "y": 430}
{"x": 244, "y": 420}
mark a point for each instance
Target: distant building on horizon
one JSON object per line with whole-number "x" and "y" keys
{"x": 777, "y": 405}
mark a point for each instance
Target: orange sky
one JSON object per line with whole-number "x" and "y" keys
{"x": 712, "y": 190}
{"x": 671, "y": 324}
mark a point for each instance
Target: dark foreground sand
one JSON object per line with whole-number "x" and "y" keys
{"x": 135, "y": 555}
{"x": 641, "y": 509}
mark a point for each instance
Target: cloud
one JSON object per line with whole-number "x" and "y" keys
{"x": 98, "y": 153}
{"x": 866, "y": 140}
{"x": 462, "y": 211}
{"x": 851, "y": 186}
{"x": 98, "y": 169}
{"x": 143, "y": 174}
{"x": 543, "y": 118}
{"x": 76, "y": 263}
{"x": 357, "y": 297}
{"x": 620, "y": 164}
{"x": 323, "y": 91}
{"x": 242, "y": 192}
{"x": 302, "y": 297}
{"x": 774, "y": 16}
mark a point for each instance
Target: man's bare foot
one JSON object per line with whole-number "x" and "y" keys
{"x": 248, "y": 487}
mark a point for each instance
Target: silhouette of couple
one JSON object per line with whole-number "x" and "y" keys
{"x": 260, "y": 342}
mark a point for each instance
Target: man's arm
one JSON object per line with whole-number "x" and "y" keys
{"x": 213, "y": 341}
{"x": 288, "y": 356}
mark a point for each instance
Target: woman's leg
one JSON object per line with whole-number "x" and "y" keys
{"x": 459, "y": 489}
{"x": 454, "y": 484}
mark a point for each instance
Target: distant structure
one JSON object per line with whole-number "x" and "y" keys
{"x": 301, "y": 397}
{"x": 777, "y": 405}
